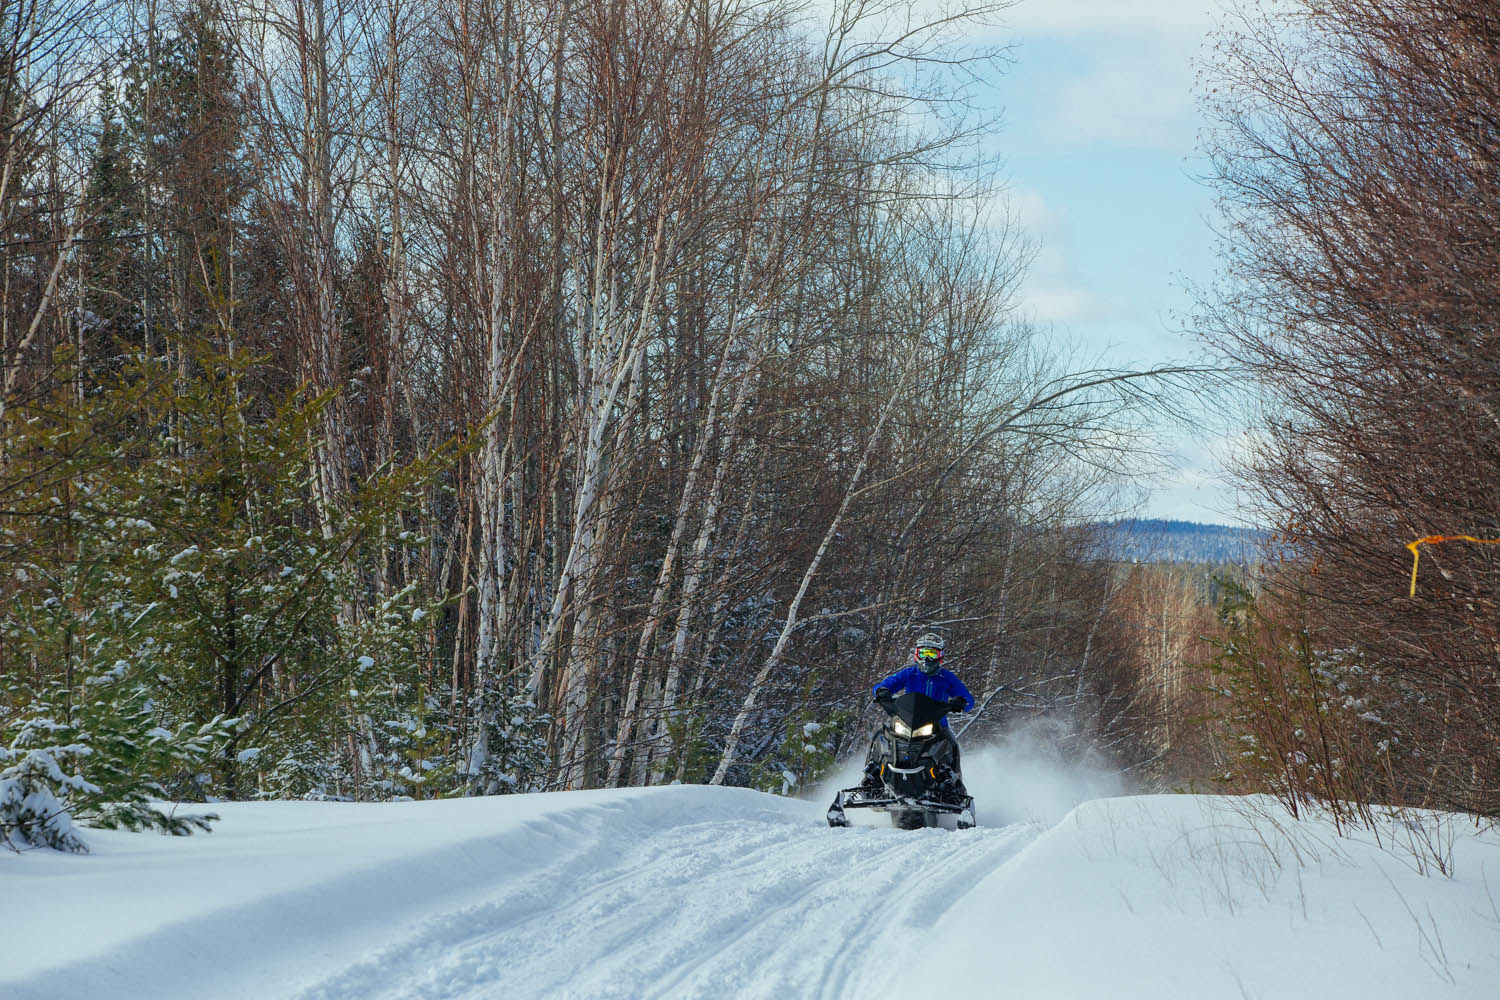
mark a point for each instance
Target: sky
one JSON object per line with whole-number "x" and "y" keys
{"x": 1099, "y": 141}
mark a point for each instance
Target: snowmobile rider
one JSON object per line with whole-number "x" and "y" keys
{"x": 926, "y": 674}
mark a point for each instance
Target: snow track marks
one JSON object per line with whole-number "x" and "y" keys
{"x": 773, "y": 904}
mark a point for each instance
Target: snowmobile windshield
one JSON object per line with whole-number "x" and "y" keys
{"x": 916, "y": 710}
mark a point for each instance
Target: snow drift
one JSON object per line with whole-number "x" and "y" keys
{"x": 710, "y": 892}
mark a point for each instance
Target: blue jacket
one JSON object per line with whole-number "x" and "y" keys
{"x": 942, "y": 685}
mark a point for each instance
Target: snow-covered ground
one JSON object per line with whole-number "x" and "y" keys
{"x": 711, "y": 892}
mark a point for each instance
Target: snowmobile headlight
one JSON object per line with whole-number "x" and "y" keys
{"x": 901, "y": 728}
{"x": 923, "y": 730}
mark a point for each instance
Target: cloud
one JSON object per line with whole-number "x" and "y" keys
{"x": 1149, "y": 18}
{"x": 1029, "y": 210}
{"x": 1202, "y": 485}
{"x": 1059, "y": 297}
{"x": 1139, "y": 97}
{"x": 1052, "y": 291}
{"x": 1113, "y": 71}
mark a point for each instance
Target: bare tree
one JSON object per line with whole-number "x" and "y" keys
{"x": 1354, "y": 150}
{"x": 49, "y": 54}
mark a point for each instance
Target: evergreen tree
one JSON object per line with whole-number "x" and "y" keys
{"x": 31, "y": 814}
{"x": 264, "y": 621}
{"x": 512, "y": 757}
{"x": 109, "y": 255}
{"x": 1305, "y": 720}
{"x": 82, "y": 733}
{"x": 183, "y": 121}
{"x": 806, "y": 751}
{"x": 179, "y": 625}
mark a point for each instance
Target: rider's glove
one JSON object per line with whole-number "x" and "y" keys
{"x": 881, "y": 694}
{"x": 956, "y": 704}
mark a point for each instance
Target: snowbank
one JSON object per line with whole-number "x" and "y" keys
{"x": 1196, "y": 896}
{"x": 282, "y": 891}
{"x": 708, "y": 892}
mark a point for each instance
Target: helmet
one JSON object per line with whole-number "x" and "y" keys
{"x": 931, "y": 644}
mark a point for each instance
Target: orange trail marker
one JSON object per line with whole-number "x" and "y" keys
{"x": 1416, "y": 552}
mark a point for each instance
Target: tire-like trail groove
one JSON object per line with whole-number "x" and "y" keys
{"x": 732, "y": 908}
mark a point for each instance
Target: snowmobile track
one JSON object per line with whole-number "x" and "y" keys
{"x": 771, "y": 908}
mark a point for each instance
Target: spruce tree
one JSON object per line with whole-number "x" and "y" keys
{"x": 180, "y": 625}
{"x": 110, "y": 255}
{"x": 268, "y": 615}
{"x": 81, "y": 733}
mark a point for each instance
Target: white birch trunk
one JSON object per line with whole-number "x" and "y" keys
{"x": 668, "y": 712}
{"x": 630, "y": 717}
{"x": 332, "y": 467}
{"x": 502, "y": 359}
{"x": 736, "y": 730}
{"x": 614, "y": 354}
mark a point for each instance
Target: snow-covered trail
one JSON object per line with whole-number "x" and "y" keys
{"x": 693, "y": 892}
{"x": 668, "y": 892}
{"x": 771, "y": 906}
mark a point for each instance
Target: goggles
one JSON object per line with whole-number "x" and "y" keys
{"x": 929, "y": 654}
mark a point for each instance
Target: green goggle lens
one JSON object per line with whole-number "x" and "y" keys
{"x": 928, "y": 654}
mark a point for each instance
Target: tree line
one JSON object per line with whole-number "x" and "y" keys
{"x": 1354, "y": 145}
{"x": 412, "y": 398}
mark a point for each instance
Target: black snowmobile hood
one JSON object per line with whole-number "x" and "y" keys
{"x": 916, "y": 709}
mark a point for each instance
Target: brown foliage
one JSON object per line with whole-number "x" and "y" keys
{"x": 1357, "y": 151}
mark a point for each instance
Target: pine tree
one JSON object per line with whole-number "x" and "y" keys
{"x": 806, "y": 751}
{"x": 182, "y": 125}
{"x": 109, "y": 255}
{"x": 83, "y": 737}
{"x": 31, "y": 813}
{"x": 512, "y": 757}
{"x": 264, "y": 619}
{"x": 1303, "y": 720}
{"x": 179, "y": 626}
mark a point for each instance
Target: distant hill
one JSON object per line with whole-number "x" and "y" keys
{"x": 1137, "y": 540}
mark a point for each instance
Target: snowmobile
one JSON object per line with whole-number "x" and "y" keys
{"x": 912, "y": 769}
